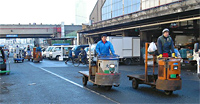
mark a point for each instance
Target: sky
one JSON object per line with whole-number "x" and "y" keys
{"x": 41, "y": 11}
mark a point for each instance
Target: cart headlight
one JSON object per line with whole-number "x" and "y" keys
{"x": 175, "y": 67}
{"x": 112, "y": 66}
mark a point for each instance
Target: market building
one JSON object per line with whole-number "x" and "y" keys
{"x": 145, "y": 19}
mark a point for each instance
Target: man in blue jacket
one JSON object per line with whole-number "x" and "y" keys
{"x": 104, "y": 47}
{"x": 38, "y": 49}
{"x": 165, "y": 44}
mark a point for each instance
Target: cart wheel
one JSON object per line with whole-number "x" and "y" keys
{"x": 168, "y": 92}
{"x": 28, "y": 59}
{"x": 17, "y": 61}
{"x": 134, "y": 83}
{"x": 85, "y": 79}
{"x": 107, "y": 88}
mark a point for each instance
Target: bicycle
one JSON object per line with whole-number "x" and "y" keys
{"x": 77, "y": 61}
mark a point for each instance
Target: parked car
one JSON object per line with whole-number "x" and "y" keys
{"x": 2, "y": 60}
{"x": 60, "y": 51}
{"x": 47, "y": 52}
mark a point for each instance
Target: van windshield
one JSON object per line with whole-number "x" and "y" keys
{"x": 50, "y": 48}
{"x": 47, "y": 49}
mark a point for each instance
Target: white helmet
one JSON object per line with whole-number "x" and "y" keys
{"x": 165, "y": 30}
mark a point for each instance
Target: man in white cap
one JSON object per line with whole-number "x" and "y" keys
{"x": 165, "y": 44}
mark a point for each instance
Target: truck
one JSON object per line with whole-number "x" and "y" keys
{"x": 60, "y": 52}
{"x": 46, "y": 53}
{"x": 128, "y": 48}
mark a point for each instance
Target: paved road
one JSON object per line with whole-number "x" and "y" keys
{"x": 55, "y": 82}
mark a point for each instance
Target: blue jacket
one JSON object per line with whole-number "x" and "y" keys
{"x": 165, "y": 45}
{"x": 104, "y": 49}
{"x": 38, "y": 49}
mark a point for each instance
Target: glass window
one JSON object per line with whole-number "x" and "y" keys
{"x": 125, "y": 10}
{"x": 129, "y": 9}
{"x": 126, "y": 3}
{"x": 114, "y": 8}
{"x": 50, "y": 49}
{"x": 58, "y": 49}
{"x": 135, "y": 5}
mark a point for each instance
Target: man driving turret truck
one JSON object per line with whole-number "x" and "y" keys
{"x": 165, "y": 45}
{"x": 104, "y": 47}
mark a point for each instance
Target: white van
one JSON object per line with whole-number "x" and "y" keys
{"x": 47, "y": 52}
{"x": 60, "y": 51}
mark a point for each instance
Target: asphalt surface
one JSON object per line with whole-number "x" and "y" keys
{"x": 53, "y": 81}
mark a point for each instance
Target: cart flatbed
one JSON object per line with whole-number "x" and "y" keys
{"x": 85, "y": 73}
{"x": 151, "y": 79}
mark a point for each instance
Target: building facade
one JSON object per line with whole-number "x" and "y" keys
{"x": 145, "y": 19}
{"x": 107, "y": 9}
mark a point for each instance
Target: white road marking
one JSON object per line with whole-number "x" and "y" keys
{"x": 79, "y": 85}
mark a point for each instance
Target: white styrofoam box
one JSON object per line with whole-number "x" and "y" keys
{"x": 149, "y": 62}
{"x": 149, "y": 56}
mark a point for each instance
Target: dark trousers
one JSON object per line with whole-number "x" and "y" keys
{"x": 83, "y": 59}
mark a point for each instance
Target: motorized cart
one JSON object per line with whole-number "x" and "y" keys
{"x": 28, "y": 55}
{"x": 37, "y": 55}
{"x": 104, "y": 73}
{"x": 18, "y": 57}
{"x": 167, "y": 79}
